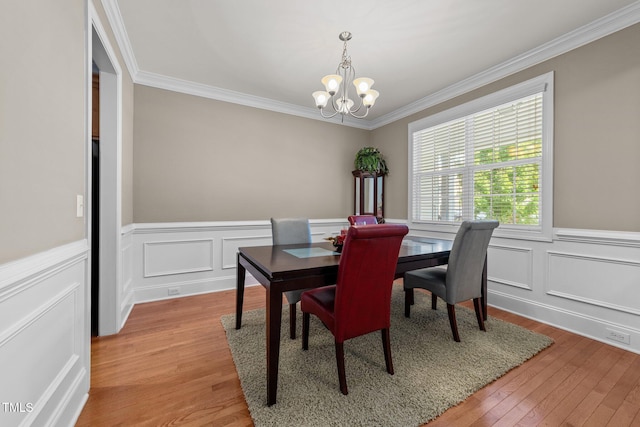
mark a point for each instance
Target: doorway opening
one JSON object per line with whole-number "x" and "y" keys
{"x": 103, "y": 183}
{"x": 95, "y": 200}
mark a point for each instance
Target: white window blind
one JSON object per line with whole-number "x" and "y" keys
{"x": 484, "y": 164}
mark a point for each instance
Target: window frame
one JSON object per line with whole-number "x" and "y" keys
{"x": 542, "y": 84}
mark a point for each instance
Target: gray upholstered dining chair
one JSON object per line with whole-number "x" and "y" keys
{"x": 460, "y": 280}
{"x": 291, "y": 231}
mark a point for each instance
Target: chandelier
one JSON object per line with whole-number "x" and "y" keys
{"x": 337, "y": 89}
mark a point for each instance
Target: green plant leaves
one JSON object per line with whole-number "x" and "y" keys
{"x": 369, "y": 159}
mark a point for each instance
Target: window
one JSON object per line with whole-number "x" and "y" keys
{"x": 487, "y": 159}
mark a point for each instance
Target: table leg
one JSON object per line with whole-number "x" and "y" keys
{"x": 240, "y": 271}
{"x": 484, "y": 290}
{"x": 274, "y": 320}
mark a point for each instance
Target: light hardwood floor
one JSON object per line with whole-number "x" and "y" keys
{"x": 170, "y": 365}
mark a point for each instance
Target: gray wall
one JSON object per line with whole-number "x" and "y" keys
{"x": 42, "y": 126}
{"x": 187, "y": 148}
{"x": 596, "y": 135}
{"x": 197, "y": 159}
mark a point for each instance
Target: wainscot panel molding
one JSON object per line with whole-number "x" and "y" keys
{"x": 584, "y": 281}
{"x": 230, "y": 247}
{"x": 170, "y": 257}
{"x": 584, "y": 278}
{"x": 178, "y": 259}
{"x": 511, "y": 266}
{"x": 44, "y": 337}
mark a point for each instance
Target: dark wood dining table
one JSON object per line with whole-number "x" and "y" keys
{"x": 289, "y": 267}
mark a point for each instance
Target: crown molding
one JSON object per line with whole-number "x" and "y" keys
{"x": 225, "y": 95}
{"x": 116, "y": 22}
{"x": 599, "y": 28}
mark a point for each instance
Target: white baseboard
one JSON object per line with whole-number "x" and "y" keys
{"x": 568, "y": 320}
{"x": 180, "y": 288}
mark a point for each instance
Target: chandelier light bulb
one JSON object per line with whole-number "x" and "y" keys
{"x": 332, "y": 83}
{"x": 363, "y": 84}
{"x": 370, "y": 98}
{"x": 321, "y": 98}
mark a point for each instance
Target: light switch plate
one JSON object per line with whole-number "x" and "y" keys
{"x": 79, "y": 206}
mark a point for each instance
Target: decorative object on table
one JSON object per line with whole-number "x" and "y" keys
{"x": 368, "y": 185}
{"x": 337, "y": 241}
{"x": 337, "y": 89}
{"x": 432, "y": 372}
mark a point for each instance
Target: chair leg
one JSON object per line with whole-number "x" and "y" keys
{"x": 408, "y": 300}
{"x": 434, "y": 301}
{"x": 478, "y": 307}
{"x": 340, "y": 361}
{"x": 305, "y": 330}
{"x": 386, "y": 345}
{"x": 292, "y": 321}
{"x": 451, "y": 310}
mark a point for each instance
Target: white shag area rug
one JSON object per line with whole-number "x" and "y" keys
{"x": 432, "y": 372}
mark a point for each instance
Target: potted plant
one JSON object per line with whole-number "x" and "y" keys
{"x": 371, "y": 168}
{"x": 370, "y": 159}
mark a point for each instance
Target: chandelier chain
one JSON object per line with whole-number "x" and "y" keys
{"x": 346, "y": 59}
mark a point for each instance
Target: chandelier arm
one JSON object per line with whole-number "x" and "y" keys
{"x": 349, "y": 74}
{"x": 359, "y": 106}
{"x": 333, "y": 101}
{"x": 366, "y": 112}
{"x": 329, "y": 116}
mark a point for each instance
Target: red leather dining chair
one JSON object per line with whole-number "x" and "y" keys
{"x": 360, "y": 301}
{"x": 362, "y": 219}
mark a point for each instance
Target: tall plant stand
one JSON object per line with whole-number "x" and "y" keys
{"x": 368, "y": 193}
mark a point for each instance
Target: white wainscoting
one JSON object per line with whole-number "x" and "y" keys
{"x": 584, "y": 281}
{"x": 44, "y": 337}
{"x": 583, "y": 278}
{"x": 178, "y": 259}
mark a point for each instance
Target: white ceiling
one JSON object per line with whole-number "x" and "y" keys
{"x": 273, "y": 53}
